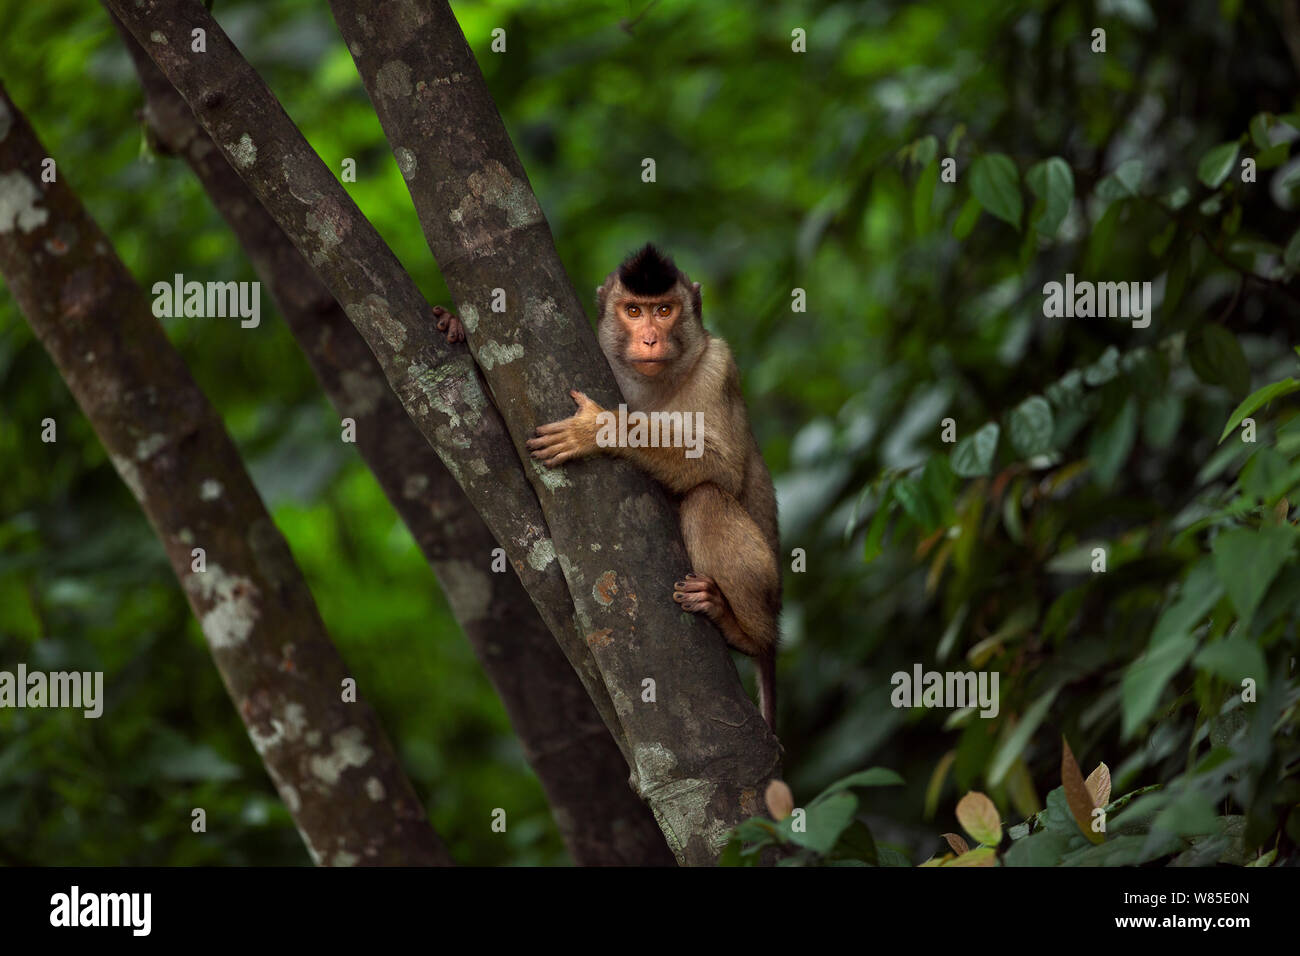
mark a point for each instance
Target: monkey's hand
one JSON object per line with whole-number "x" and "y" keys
{"x": 568, "y": 438}
{"x": 450, "y": 324}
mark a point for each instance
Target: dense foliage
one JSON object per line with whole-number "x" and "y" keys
{"x": 820, "y": 171}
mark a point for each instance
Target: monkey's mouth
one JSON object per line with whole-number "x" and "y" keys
{"x": 649, "y": 367}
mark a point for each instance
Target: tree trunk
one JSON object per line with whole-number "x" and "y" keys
{"x": 330, "y": 760}
{"x": 438, "y": 385}
{"x": 585, "y": 777}
{"x": 702, "y": 752}
{"x": 701, "y": 755}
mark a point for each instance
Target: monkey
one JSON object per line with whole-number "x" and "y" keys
{"x": 650, "y": 328}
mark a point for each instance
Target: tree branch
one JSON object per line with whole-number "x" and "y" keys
{"x": 438, "y": 385}
{"x": 585, "y": 777}
{"x": 702, "y": 754}
{"x": 330, "y": 760}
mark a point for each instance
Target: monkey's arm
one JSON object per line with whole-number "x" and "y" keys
{"x": 721, "y": 458}
{"x": 679, "y": 474}
{"x": 569, "y": 438}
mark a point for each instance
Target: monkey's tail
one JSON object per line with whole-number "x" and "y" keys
{"x": 767, "y": 686}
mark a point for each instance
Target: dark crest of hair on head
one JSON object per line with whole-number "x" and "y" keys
{"x": 648, "y": 272}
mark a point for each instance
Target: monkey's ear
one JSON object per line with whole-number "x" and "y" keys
{"x": 602, "y": 295}
{"x": 695, "y": 300}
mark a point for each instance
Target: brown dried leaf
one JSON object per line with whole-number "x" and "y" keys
{"x": 1098, "y": 784}
{"x": 958, "y": 845}
{"x": 779, "y": 799}
{"x": 1076, "y": 793}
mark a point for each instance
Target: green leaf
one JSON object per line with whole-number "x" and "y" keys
{"x": 1123, "y": 183}
{"x": 1126, "y": 850}
{"x": 1031, "y": 426}
{"x": 1273, "y": 157}
{"x": 950, "y": 633}
{"x": 1291, "y": 255}
{"x": 996, "y": 184}
{"x": 966, "y": 219}
{"x": 1247, "y": 561}
{"x": 825, "y": 820}
{"x": 1057, "y": 818}
{"x": 1267, "y": 476}
{"x": 923, "y": 150}
{"x": 889, "y": 856}
{"x": 980, "y": 818}
{"x": 1160, "y": 244}
{"x": 1217, "y": 359}
{"x": 973, "y": 455}
{"x": 1188, "y": 814}
{"x": 1233, "y": 658}
{"x": 1146, "y": 677}
{"x": 938, "y": 481}
{"x": 1067, "y": 391}
{"x": 1259, "y": 131}
{"x": 1200, "y": 592}
{"x": 1256, "y": 400}
{"x": 1044, "y": 848}
{"x": 1129, "y": 174}
{"x": 980, "y": 856}
{"x": 1215, "y": 165}
{"x": 923, "y": 198}
{"x": 911, "y": 495}
{"x": 1015, "y": 744}
{"x": 1052, "y": 181}
{"x": 759, "y": 830}
{"x": 876, "y": 532}
{"x": 731, "y": 855}
{"x": 875, "y": 777}
{"x": 1076, "y": 560}
{"x": 856, "y": 845}
{"x": 1112, "y": 442}
{"x": 1104, "y": 369}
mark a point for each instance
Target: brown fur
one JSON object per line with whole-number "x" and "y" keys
{"x": 727, "y": 503}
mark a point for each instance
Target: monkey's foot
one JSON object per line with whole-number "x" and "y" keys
{"x": 700, "y": 595}
{"x": 450, "y": 324}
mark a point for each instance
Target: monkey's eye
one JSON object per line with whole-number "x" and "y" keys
{"x": 634, "y": 310}
{"x": 665, "y": 310}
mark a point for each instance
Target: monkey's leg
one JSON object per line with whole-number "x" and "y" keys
{"x": 737, "y": 583}
{"x": 698, "y": 594}
{"x": 449, "y": 323}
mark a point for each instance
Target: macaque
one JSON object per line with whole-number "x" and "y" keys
{"x": 651, "y": 332}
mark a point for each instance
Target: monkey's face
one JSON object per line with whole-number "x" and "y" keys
{"x": 649, "y": 330}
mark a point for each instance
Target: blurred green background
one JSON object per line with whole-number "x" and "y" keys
{"x": 776, "y": 170}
